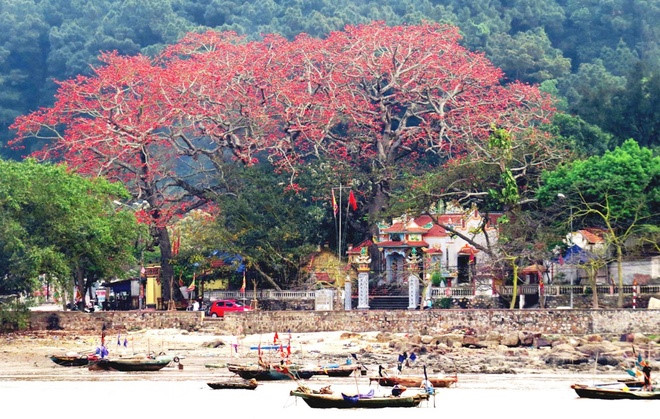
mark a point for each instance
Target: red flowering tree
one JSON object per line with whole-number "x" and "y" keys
{"x": 116, "y": 124}
{"x": 375, "y": 101}
{"x": 369, "y": 102}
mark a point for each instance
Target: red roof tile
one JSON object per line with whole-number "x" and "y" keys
{"x": 358, "y": 249}
{"x": 323, "y": 277}
{"x": 436, "y": 231}
{"x": 394, "y": 228}
{"x": 592, "y": 236}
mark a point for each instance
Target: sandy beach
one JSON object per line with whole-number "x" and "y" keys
{"x": 26, "y": 355}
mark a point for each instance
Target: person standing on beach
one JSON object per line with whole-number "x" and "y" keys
{"x": 646, "y": 372}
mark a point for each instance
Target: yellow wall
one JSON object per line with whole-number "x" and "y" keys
{"x": 153, "y": 289}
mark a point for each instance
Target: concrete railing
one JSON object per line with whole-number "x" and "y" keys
{"x": 555, "y": 290}
{"x": 440, "y": 292}
{"x": 260, "y": 295}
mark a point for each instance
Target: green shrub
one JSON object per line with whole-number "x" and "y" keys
{"x": 14, "y": 316}
{"x": 436, "y": 278}
{"x": 444, "y": 302}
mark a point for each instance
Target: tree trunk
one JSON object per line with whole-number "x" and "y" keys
{"x": 619, "y": 267}
{"x": 169, "y": 291}
{"x": 268, "y": 278}
{"x": 80, "y": 287}
{"x": 593, "y": 274}
{"x": 514, "y": 294}
{"x": 375, "y": 207}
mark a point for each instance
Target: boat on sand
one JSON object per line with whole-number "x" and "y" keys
{"x": 344, "y": 401}
{"x": 615, "y": 392}
{"x": 72, "y": 360}
{"x": 272, "y": 372}
{"x": 414, "y": 381}
{"x": 130, "y": 364}
{"x": 234, "y": 384}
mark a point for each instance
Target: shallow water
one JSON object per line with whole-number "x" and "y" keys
{"x": 166, "y": 394}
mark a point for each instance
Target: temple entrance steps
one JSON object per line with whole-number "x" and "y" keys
{"x": 388, "y": 302}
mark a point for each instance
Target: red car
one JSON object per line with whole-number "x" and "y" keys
{"x": 217, "y": 308}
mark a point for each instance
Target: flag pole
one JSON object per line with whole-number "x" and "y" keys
{"x": 340, "y": 238}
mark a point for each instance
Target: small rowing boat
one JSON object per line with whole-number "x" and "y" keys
{"x": 328, "y": 401}
{"x": 614, "y": 392}
{"x": 234, "y": 384}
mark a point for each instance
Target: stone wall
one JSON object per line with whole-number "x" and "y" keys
{"x": 115, "y": 320}
{"x": 565, "y": 322}
{"x": 548, "y": 322}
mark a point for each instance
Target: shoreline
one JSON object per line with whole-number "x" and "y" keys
{"x": 25, "y": 355}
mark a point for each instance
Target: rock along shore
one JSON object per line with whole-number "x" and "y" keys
{"x": 26, "y": 353}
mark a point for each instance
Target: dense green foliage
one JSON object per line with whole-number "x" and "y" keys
{"x": 625, "y": 180}
{"x": 14, "y": 315}
{"x": 275, "y": 230}
{"x": 57, "y": 223}
{"x": 618, "y": 192}
{"x": 602, "y": 57}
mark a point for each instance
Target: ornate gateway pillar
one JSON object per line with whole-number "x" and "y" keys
{"x": 413, "y": 279}
{"x": 363, "y": 262}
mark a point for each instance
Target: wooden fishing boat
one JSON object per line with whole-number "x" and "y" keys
{"x": 614, "y": 391}
{"x": 234, "y": 384}
{"x": 130, "y": 364}
{"x": 76, "y": 360}
{"x": 336, "y": 371}
{"x": 216, "y": 365}
{"x": 414, "y": 381}
{"x": 270, "y": 372}
{"x": 343, "y": 401}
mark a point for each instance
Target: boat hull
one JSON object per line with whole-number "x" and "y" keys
{"x": 329, "y": 401}
{"x": 269, "y": 374}
{"x": 414, "y": 381}
{"x": 614, "y": 393}
{"x": 341, "y": 371}
{"x": 129, "y": 365}
{"x": 238, "y": 385}
{"x": 70, "y": 361}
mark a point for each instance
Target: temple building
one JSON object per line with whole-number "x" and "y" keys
{"x": 445, "y": 257}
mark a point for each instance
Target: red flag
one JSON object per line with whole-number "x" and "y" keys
{"x": 275, "y": 338}
{"x": 335, "y": 207}
{"x": 177, "y": 244}
{"x": 243, "y": 286}
{"x": 288, "y": 349}
{"x": 352, "y": 201}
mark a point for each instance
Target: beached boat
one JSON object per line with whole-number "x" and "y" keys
{"x": 270, "y": 372}
{"x": 335, "y": 370}
{"x": 72, "y": 360}
{"x": 614, "y": 391}
{"x": 343, "y": 401}
{"x": 414, "y": 381}
{"x": 130, "y": 364}
{"x": 216, "y": 365}
{"x": 234, "y": 384}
